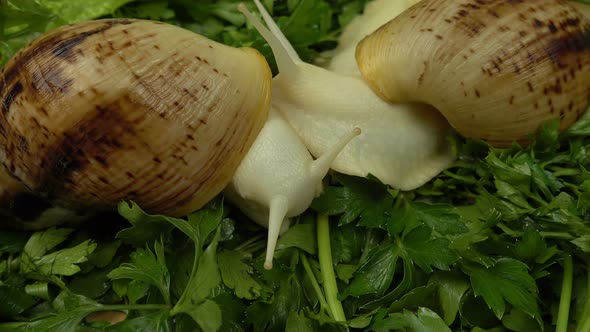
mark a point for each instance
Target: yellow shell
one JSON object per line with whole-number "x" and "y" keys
{"x": 110, "y": 110}
{"x": 496, "y": 70}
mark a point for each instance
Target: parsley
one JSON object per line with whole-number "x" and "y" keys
{"x": 499, "y": 241}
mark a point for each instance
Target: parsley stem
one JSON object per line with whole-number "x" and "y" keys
{"x": 314, "y": 283}
{"x": 185, "y": 294}
{"x": 325, "y": 256}
{"x": 242, "y": 247}
{"x": 585, "y": 323}
{"x": 566, "y": 294}
{"x": 11, "y": 326}
{"x": 558, "y": 171}
{"x": 114, "y": 307}
{"x": 557, "y": 235}
{"x": 552, "y": 235}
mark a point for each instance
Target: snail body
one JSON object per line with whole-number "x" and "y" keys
{"x": 110, "y": 110}
{"x": 403, "y": 145}
{"x": 375, "y": 14}
{"x": 278, "y": 178}
{"x": 497, "y": 70}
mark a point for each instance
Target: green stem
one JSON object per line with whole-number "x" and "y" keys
{"x": 464, "y": 179}
{"x": 536, "y": 198}
{"x": 557, "y": 235}
{"x": 314, "y": 282}
{"x": 508, "y": 230}
{"x": 134, "y": 307}
{"x": 180, "y": 303}
{"x": 58, "y": 282}
{"x": 11, "y": 326}
{"x": 552, "y": 235}
{"x": 558, "y": 172}
{"x": 566, "y": 294}
{"x": 585, "y": 323}
{"x": 325, "y": 256}
{"x": 242, "y": 246}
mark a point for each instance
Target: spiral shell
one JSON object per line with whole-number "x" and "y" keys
{"x": 110, "y": 110}
{"x": 496, "y": 69}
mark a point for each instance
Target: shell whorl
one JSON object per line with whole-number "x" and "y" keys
{"x": 496, "y": 69}
{"x": 101, "y": 111}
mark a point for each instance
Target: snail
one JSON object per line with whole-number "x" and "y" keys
{"x": 497, "y": 70}
{"x": 110, "y": 110}
{"x": 278, "y": 178}
{"x": 403, "y": 145}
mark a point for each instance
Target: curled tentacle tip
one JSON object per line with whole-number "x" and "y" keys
{"x": 357, "y": 131}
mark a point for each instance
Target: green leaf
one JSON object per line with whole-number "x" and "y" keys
{"x": 345, "y": 272}
{"x": 440, "y": 217}
{"x": 153, "y": 322}
{"x": 582, "y": 126}
{"x": 424, "y": 320}
{"x": 207, "y": 314}
{"x": 41, "y": 242}
{"x": 297, "y": 322}
{"x": 273, "y": 315}
{"x": 204, "y": 278}
{"x": 406, "y": 284}
{"x": 104, "y": 254}
{"x": 12, "y": 242}
{"x": 519, "y": 321}
{"x": 66, "y": 301}
{"x": 156, "y": 10}
{"x": 413, "y": 299}
{"x": 347, "y": 243}
{"x": 358, "y": 198}
{"x": 64, "y": 262}
{"x": 146, "y": 267}
{"x": 375, "y": 275}
{"x": 475, "y": 311}
{"x": 145, "y": 227}
{"x": 136, "y": 290}
{"x": 71, "y": 309}
{"x": 425, "y": 251}
{"x": 507, "y": 281}
{"x": 238, "y": 275}
{"x": 451, "y": 288}
{"x": 300, "y": 236}
{"x": 13, "y": 301}
{"x": 81, "y": 10}
{"x": 201, "y": 223}
{"x": 582, "y": 242}
{"x": 92, "y": 284}
{"x": 530, "y": 246}
{"x": 65, "y": 321}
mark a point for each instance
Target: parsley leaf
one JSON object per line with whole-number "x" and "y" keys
{"x": 357, "y": 199}
{"x": 507, "y": 281}
{"x": 147, "y": 267}
{"x": 424, "y": 320}
{"x": 426, "y": 251}
{"x": 238, "y": 275}
{"x": 63, "y": 262}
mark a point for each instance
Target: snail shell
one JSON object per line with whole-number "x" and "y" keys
{"x": 496, "y": 70}
{"x": 109, "y": 110}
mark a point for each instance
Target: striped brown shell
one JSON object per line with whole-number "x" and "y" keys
{"x": 110, "y": 110}
{"x": 496, "y": 69}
